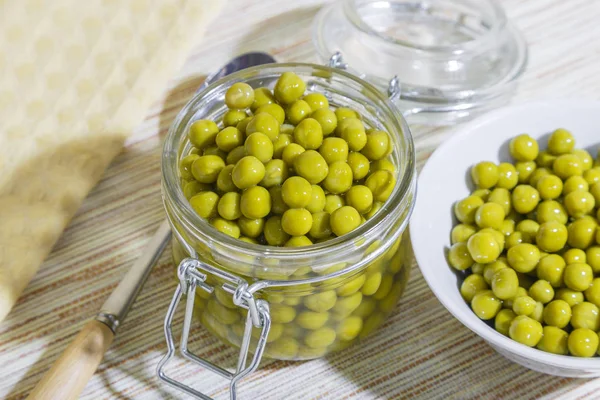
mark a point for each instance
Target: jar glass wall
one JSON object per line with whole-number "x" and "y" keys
{"x": 322, "y": 297}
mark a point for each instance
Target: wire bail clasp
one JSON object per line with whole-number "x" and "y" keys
{"x": 192, "y": 275}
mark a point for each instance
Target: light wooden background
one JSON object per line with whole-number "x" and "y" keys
{"x": 421, "y": 351}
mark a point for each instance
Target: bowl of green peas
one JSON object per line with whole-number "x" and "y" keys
{"x": 506, "y": 233}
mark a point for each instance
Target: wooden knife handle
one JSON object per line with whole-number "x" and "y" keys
{"x": 72, "y": 371}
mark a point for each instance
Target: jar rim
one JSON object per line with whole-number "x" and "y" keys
{"x": 499, "y": 20}
{"x": 173, "y": 193}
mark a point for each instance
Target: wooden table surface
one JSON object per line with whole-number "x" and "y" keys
{"x": 420, "y": 352}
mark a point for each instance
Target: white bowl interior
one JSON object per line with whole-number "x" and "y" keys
{"x": 445, "y": 179}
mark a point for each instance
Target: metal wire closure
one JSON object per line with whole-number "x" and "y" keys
{"x": 192, "y": 276}
{"x": 393, "y": 90}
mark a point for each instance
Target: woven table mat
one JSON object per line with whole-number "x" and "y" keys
{"x": 421, "y": 352}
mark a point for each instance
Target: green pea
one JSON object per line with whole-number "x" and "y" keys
{"x": 377, "y": 146}
{"x": 485, "y": 305}
{"x": 505, "y": 284}
{"x": 205, "y": 204}
{"x": 282, "y": 314}
{"x": 578, "y": 276}
{"x": 190, "y": 189}
{"x": 524, "y": 148}
{"x": 371, "y": 284}
{"x": 233, "y": 118}
{"x": 592, "y": 293}
{"x": 264, "y": 123}
{"x": 567, "y": 165}
{"x": 312, "y": 320}
{"x": 260, "y": 146}
{"x": 360, "y": 197}
{"x": 549, "y": 187}
{"x": 280, "y": 144}
{"x": 349, "y": 328}
{"x": 472, "y": 285}
{"x": 298, "y": 241}
{"x": 247, "y": 172}
{"x": 311, "y": 166}
{"x": 255, "y": 202}
{"x": 579, "y": 203}
{"x": 289, "y": 88}
{"x": 359, "y": 164}
{"x": 526, "y": 330}
{"x": 185, "y": 166}
{"x": 339, "y": 179}
{"x": 308, "y": 134}
{"x": 316, "y": 101}
{"x": 501, "y": 197}
{"x": 575, "y": 184}
{"x": 586, "y": 315}
{"x": 485, "y": 174}
{"x": 239, "y": 95}
{"x": 214, "y": 151}
{"x": 321, "y": 227}
{"x": 583, "y": 342}
{"x": 345, "y": 112}
{"x": 334, "y": 149}
{"x": 552, "y": 236}
{"x": 278, "y": 206}
{"x": 561, "y": 142}
{"x": 592, "y": 176}
{"x": 462, "y": 233}
{"x": 525, "y": 198}
{"x": 344, "y": 220}
{"x": 225, "y": 181}
{"x": 296, "y": 192}
{"x": 235, "y": 155}
{"x": 572, "y": 297}
{"x": 381, "y": 183}
{"x": 274, "y": 109}
{"x": 554, "y": 340}
{"x": 524, "y": 170}
{"x": 274, "y": 233}
{"x": 523, "y": 257}
{"x": 229, "y": 228}
{"x": 483, "y": 247}
{"x": 593, "y": 258}
{"x": 284, "y": 348}
{"x": 551, "y": 268}
{"x": 352, "y": 286}
{"x": 262, "y": 96}
{"x": 490, "y": 270}
{"x": 503, "y": 320}
{"x": 321, "y": 302}
{"x": 489, "y": 215}
{"x": 507, "y": 176}
{"x": 297, "y": 111}
{"x": 353, "y": 132}
{"x": 459, "y": 256}
{"x": 291, "y": 152}
{"x": 229, "y": 206}
{"x": 276, "y": 172}
{"x": 317, "y": 200}
{"x": 344, "y": 306}
{"x": 203, "y": 133}
{"x": 551, "y": 210}
{"x": 222, "y": 314}
{"x": 326, "y": 118}
{"x": 465, "y": 209}
{"x": 251, "y": 228}
{"x": 243, "y": 124}
{"x": 296, "y": 221}
{"x": 319, "y": 338}
{"x": 581, "y": 234}
{"x": 206, "y": 169}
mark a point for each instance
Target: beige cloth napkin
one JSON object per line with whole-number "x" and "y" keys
{"x": 75, "y": 78}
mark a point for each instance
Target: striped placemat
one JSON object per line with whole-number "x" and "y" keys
{"x": 421, "y": 352}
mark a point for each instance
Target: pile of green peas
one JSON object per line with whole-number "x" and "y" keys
{"x": 283, "y": 168}
{"x": 529, "y": 244}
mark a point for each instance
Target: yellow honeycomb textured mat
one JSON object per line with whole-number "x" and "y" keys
{"x": 75, "y": 79}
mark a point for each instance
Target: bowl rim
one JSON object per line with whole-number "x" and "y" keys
{"x": 473, "y": 323}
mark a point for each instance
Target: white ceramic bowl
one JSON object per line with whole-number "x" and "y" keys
{"x": 445, "y": 179}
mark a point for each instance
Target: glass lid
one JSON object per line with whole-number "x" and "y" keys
{"x": 452, "y": 59}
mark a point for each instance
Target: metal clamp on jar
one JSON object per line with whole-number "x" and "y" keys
{"x": 302, "y": 303}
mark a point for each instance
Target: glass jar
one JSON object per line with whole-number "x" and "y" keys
{"x": 323, "y": 297}
{"x": 454, "y": 59}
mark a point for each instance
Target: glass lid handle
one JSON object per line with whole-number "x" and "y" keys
{"x": 404, "y": 100}
{"x": 192, "y": 274}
